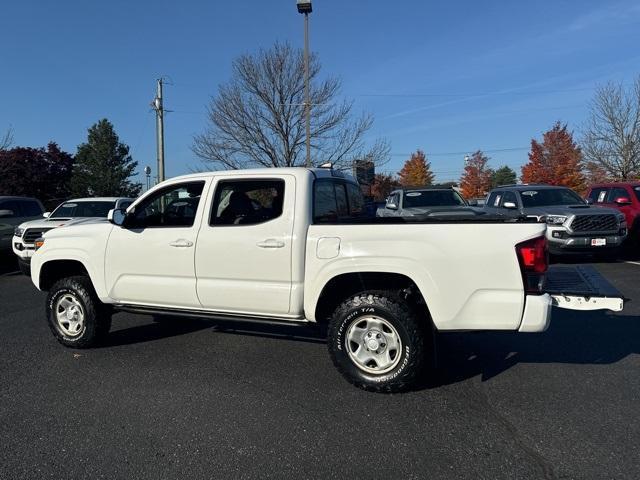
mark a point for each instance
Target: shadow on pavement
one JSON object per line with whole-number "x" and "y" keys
{"x": 8, "y": 264}
{"x": 581, "y": 338}
{"x": 174, "y": 326}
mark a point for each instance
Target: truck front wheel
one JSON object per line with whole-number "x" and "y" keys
{"x": 75, "y": 315}
{"x": 377, "y": 342}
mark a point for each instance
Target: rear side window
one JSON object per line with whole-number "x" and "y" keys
{"x": 247, "y": 202}
{"x": 31, "y": 208}
{"x": 598, "y": 195}
{"x": 494, "y": 199}
{"x": 336, "y": 200}
{"x": 356, "y": 200}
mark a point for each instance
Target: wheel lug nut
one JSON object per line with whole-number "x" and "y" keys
{"x": 378, "y": 335}
{"x": 382, "y": 345}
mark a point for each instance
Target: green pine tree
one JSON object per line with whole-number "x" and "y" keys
{"x": 103, "y": 166}
{"x": 503, "y": 176}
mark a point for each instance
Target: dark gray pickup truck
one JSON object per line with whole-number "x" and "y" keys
{"x": 573, "y": 226}
{"x": 426, "y": 201}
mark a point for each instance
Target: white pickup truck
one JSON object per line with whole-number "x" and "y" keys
{"x": 291, "y": 246}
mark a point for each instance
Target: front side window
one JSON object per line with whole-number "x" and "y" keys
{"x": 598, "y": 195}
{"x": 509, "y": 197}
{"x": 617, "y": 192}
{"x": 173, "y": 206}
{"x": 549, "y": 196}
{"x": 247, "y": 202}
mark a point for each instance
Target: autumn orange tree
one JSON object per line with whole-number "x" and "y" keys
{"x": 476, "y": 178}
{"x": 557, "y": 160}
{"x": 416, "y": 171}
{"x": 382, "y": 186}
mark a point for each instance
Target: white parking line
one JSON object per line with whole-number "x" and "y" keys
{"x": 635, "y": 263}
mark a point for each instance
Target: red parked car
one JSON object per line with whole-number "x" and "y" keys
{"x": 623, "y": 196}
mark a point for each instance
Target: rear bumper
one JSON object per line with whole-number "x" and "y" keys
{"x": 537, "y": 313}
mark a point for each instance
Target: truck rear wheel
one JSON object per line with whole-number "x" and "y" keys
{"x": 75, "y": 315}
{"x": 376, "y": 341}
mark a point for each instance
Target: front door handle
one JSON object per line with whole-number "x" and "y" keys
{"x": 181, "y": 243}
{"x": 270, "y": 243}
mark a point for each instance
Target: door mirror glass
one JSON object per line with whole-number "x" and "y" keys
{"x": 116, "y": 216}
{"x": 6, "y": 213}
{"x": 509, "y": 205}
{"x": 473, "y": 202}
{"x": 46, "y": 214}
{"x": 623, "y": 201}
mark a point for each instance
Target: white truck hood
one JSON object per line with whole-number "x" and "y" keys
{"x": 59, "y": 222}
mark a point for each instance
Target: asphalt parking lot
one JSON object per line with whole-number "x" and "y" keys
{"x": 202, "y": 400}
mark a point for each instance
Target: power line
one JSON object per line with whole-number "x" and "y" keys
{"x": 465, "y": 152}
{"x": 485, "y": 94}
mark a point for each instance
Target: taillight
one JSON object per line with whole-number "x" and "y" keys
{"x": 534, "y": 261}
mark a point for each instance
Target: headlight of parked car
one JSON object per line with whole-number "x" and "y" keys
{"x": 18, "y": 232}
{"x": 556, "y": 219}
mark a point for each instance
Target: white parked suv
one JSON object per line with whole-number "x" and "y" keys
{"x": 71, "y": 211}
{"x": 291, "y": 246}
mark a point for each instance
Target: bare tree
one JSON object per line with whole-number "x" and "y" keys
{"x": 7, "y": 139}
{"x": 257, "y": 118}
{"x": 611, "y": 138}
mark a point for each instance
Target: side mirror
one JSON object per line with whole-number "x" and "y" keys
{"x": 622, "y": 201}
{"x": 6, "y": 213}
{"x": 589, "y": 201}
{"x": 509, "y": 205}
{"x": 473, "y": 202}
{"x": 391, "y": 206}
{"x": 46, "y": 214}
{"x": 116, "y": 216}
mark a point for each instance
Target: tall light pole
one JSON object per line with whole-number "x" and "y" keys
{"x": 304, "y": 7}
{"x": 158, "y": 107}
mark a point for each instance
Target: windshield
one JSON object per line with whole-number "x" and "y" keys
{"x": 82, "y": 209}
{"x": 432, "y": 198}
{"x": 550, "y": 196}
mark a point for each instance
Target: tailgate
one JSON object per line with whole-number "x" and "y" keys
{"x": 581, "y": 287}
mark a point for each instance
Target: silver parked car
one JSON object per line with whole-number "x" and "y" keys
{"x": 426, "y": 201}
{"x": 573, "y": 226}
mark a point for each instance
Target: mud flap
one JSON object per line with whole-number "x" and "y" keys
{"x": 581, "y": 287}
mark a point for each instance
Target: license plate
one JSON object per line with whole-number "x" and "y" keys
{"x": 598, "y": 242}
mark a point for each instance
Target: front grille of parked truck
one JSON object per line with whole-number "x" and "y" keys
{"x": 594, "y": 223}
{"x": 32, "y": 234}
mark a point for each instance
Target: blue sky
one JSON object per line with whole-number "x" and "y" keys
{"x": 446, "y": 77}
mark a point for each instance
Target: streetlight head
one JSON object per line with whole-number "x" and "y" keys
{"x": 147, "y": 170}
{"x": 304, "y": 6}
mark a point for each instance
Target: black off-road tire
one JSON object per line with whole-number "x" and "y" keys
{"x": 97, "y": 316}
{"x": 413, "y": 331}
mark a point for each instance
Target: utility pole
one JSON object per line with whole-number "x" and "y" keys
{"x": 304, "y": 7}
{"x": 158, "y": 107}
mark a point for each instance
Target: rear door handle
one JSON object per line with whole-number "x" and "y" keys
{"x": 181, "y": 243}
{"x": 270, "y": 243}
